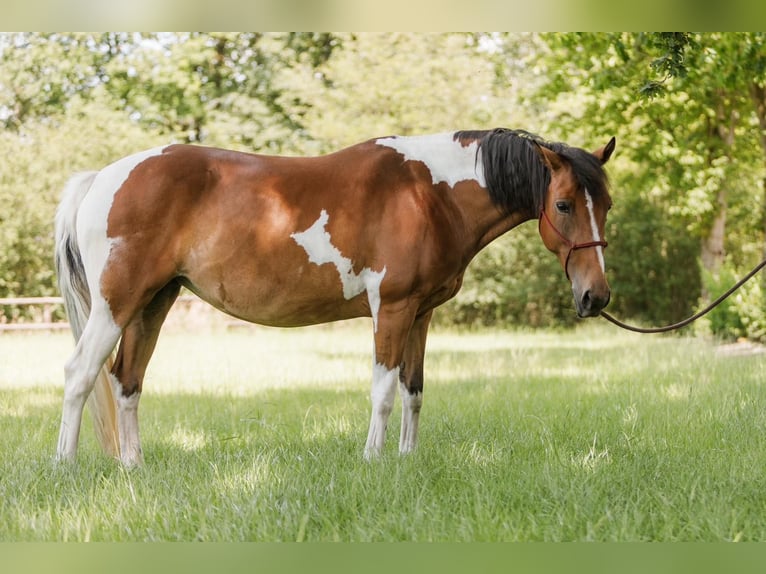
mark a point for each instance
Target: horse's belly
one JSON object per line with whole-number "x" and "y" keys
{"x": 290, "y": 312}
{"x": 280, "y": 304}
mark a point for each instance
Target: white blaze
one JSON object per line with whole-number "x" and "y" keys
{"x": 447, "y": 160}
{"x": 594, "y": 228}
{"x": 317, "y": 243}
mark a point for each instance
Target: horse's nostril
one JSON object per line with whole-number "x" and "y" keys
{"x": 592, "y": 303}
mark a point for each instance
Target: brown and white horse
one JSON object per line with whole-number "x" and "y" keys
{"x": 383, "y": 229}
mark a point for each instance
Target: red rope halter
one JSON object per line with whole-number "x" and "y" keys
{"x": 571, "y": 244}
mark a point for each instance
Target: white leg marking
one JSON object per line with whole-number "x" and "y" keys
{"x": 594, "y": 228}
{"x": 408, "y": 439}
{"x": 445, "y": 158}
{"x": 317, "y": 243}
{"x": 97, "y": 341}
{"x": 382, "y": 395}
{"x": 127, "y": 422}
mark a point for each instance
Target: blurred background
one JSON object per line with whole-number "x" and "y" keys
{"x": 688, "y": 111}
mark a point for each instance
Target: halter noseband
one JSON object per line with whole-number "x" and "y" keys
{"x": 571, "y": 244}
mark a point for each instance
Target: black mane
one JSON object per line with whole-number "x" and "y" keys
{"x": 517, "y": 179}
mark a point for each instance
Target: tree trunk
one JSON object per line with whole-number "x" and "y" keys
{"x": 713, "y": 252}
{"x": 758, "y": 95}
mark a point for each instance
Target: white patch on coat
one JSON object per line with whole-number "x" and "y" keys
{"x": 317, "y": 243}
{"x": 447, "y": 160}
{"x": 93, "y": 215}
{"x": 594, "y": 228}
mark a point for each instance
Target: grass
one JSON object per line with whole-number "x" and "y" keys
{"x": 257, "y": 435}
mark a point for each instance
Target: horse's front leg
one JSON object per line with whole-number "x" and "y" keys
{"x": 393, "y": 328}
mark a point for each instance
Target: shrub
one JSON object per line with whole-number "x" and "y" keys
{"x": 741, "y": 315}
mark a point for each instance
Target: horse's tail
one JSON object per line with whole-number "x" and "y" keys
{"x": 73, "y": 285}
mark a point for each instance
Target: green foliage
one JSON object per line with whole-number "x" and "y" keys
{"x": 670, "y": 63}
{"x": 724, "y": 321}
{"x": 402, "y": 83}
{"x": 743, "y": 314}
{"x": 750, "y": 306}
{"x": 215, "y": 87}
{"x": 651, "y": 262}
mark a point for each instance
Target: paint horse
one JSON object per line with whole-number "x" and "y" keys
{"x": 383, "y": 229}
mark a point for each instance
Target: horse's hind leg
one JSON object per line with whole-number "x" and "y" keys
{"x": 411, "y": 383}
{"x": 97, "y": 341}
{"x": 138, "y": 342}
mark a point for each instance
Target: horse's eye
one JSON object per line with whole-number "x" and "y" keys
{"x": 563, "y": 207}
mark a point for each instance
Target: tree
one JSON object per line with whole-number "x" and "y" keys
{"x": 681, "y": 107}
{"x": 402, "y": 83}
{"x": 738, "y": 62}
{"x": 188, "y": 86}
{"x": 217, "y": 88}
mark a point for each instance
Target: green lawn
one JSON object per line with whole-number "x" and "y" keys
{"x": 593, "y": 434}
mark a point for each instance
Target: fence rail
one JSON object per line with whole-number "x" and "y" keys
{"x": 31, "y": 301}
{"x": 45, "y": 324}
{"x": 44, "y": 320}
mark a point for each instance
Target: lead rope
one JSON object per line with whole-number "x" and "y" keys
{"x": 694, "y": 317}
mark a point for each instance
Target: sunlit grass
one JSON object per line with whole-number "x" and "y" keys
{"x": 257, "y": 434}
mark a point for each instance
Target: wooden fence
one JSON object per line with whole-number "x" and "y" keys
{"x": 43, "y": 321}
{"x": 190, "y": 312}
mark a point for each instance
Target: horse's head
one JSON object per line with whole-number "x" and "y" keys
{"x": 573, "y": 218}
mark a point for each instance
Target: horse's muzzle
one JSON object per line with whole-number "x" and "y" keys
{"x": 590, "y": 303}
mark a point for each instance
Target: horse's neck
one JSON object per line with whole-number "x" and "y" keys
{"x": 483, "y": 221}
{"x": 501, "y": 227}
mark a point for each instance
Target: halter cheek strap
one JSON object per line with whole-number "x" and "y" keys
{"x": 571, "y": 244}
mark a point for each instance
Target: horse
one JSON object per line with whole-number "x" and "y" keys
{"x": 383, "y": 229}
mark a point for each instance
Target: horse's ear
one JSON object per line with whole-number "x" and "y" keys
{"x": 550, "y": 158}
{"x": 603, "y": 154}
